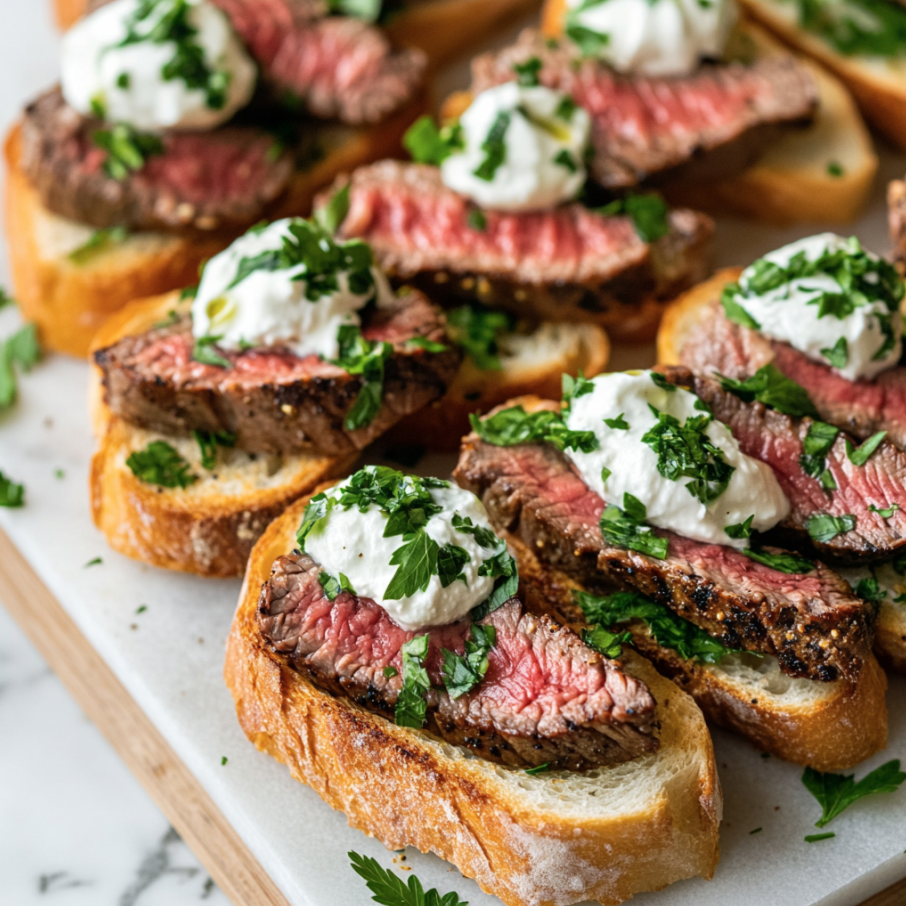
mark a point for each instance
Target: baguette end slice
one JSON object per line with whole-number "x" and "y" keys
{"x": 544, "y": 840}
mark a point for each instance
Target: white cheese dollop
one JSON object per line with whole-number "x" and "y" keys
{"x": 787, "y": 312}
{"x": 543, "y": 143}
{"x": 656, "y": 37}
{"x": 128, "y": 84}
{"x": 753, "y": 489}
{"x": 270, "y": 307}
{"x": 350, "y": 542}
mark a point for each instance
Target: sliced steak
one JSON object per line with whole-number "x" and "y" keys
{"x": 274, "y": 401}
{"x": 776, "y": 439}
{"x": 545, "y": 698}
{"x": 342, "y": 68}
{"x": 858, "y": 407}
{"x": 813, "y": 624}
{"x": 223, "y": 179}
{"x": 565, "y": 264}
{"x": 721, "y": 117}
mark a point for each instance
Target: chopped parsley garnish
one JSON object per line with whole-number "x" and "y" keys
{"x": 99, "y": 241}
{"x": 450, "y": 560}
{"x": 389, "y": 889}
{"x": 97, "y": 561}
{"x": 869, "y": 590}
{"x": 606, "y": 643}
{"x": 366, "y": 358}
{"x": 429, "y": 145}
{"x": 782, "y": 561}
{"x": 12, "y": 495}
{"x": 390, "y": 671}
{"x": 648, "y": 213}
{"x": 501, "y": 566}
{"x": 741, "y": 529}
{"x": 835, "y": 169}
{"x": 494, "y": 147}
{"x": 98, "y": 107}
{"x": 871, "y": 28}
{"x": 618, "y": 424}
{"x": 837, "y": 792}
{"x": 366, "y": 10}
{"x": 527, "y": 72}
{"x": 538, "y": 769}
{"x": 886, "y": 512}
{"x": 817, "y": 838}
{"x": 19, "y": 350}
{"x": 773, "y": 388}
{"x": 823, "y": 527}
{"x": 463, "y": 672}
{"x": 203, "y": 351}
{"x": 209, "y": 441}
{"x": 477, "y": 331}
{"x": 838, "y": 354}
{"x": 484, "y": 537}
{"x": 564, "y": 159}
{"x": 566, "y": 108}
{"x": 127, "y": 149}
{"x": 626, "y": 528}
{"x": 5, "y": 298}
{"x": 589, "y": 42}
{"x": 161, "y": 464}
{"x": 817, "y": 444}
{"x": 667, "y": 628}
{"x": 332, "y": 587}
{"x": 330, "y": 216}
{"x": 411, "y": 706}
{"x": 685, "y": 451}
{"x": 476, "y": 220}
{"x": 516, "y": 426}
{"x": 858, "y": 456}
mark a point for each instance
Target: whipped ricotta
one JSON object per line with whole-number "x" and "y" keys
{"x": 288, "y": 284}
{"x": 170, "y": 64}
{"x": 624, "y": 463}
{"x": 523, "y": 149}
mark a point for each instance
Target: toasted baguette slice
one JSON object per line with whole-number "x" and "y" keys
{"x": 878, "y": 86}
{"x": 209, "y": 527}
{"x": 791, "y": 182}
{"x": 798, "y": 720}
{"x": 890, "y": 641}
{"x": 531, "y": 363}
{"x": 69, "y": 297}
{"x": 550, "y": 838}
{"x": 682, "y": 317}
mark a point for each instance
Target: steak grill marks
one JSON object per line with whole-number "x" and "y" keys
{"x": 272, "y": 400}
{"x": 546, "y": 697}
{"x": 813, "y": 624}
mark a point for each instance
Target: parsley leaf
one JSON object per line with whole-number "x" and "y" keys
{"x": 648, "y": 212}
{"x": 823, "y": 527}
{"x": 332, "y": 587}
{"x": 858, "y": 456}
{"x": 735, "y": 312}
{"x": 160, "y": 464}
{"x": 618, "y": 424}
{"x": 516, "y": 426}
{"x": 836, "y": 792}
{"x": 416, "y": 560}
{"x": 203, "y": 351}
{"x": 477, "y": 220}
{"x": 484, "y": 537}
{"x": 885, "y": 513}
{"x": 127, "y": 149}
{"x": 869, "y": 590}
{"x": 606, "y": 643}
{"x": 817, "y": 444}
{"x": 98, "y": 241}
{"x": 330, "y": 216}
{"x": 209, "y": 441}
{"x": 838, "y": 355}
{"x": 564, "y": 159}
{"x": 411, "y": 706}
{"x": 450, "y": 560}
{"x": 366, "y": 358}
{"x": 501, "y": 566}
{"x": 477, "y": 331}
{"x": 19, "y": 349}
{"x": 538, "y": 769}
{"x": 589, "y": 42}
{"x": 494, "y": 147}
{"x": 527, "y": 72}
{"x": 389, "y": 888}
{"x": 857, "y": 28}
{"x": 625, "y": 528}
{"x": 773, "y": 388}
{"x": 11, "y": 494}
{"x": 366, "y": 10}
{"x": 429, "y": 145}
{"x": 782, "y": 561}
{"x": 741, "y": 529}
{"x": 463, "y": 672}
{"x": 318, "y": 507}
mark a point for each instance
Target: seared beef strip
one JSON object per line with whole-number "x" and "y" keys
{"x": 776, "y": 439}
{"x": 564, "y": 264}
{"x": 546, "y": 697}
{"x": 712, "y": 124}
{"x": 274, "y": 401}
{"x": 859, "y": 407}
{"x": 222, "y": 179}
{"x": 813, "y": 624}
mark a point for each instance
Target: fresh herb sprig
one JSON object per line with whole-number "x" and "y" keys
{"x": 160, "y": 464}
{"x": 20, "y": 350}
{"x": 463, "y": 672}
{"x": 837, "y": 792}
{"x": 389, "y": 889}
{"x": 648, "y": 212}
{"x": 209, "y": 441}
{"x": 12, "y": 495}
{"x": 773, "y": 388}
{"x": 429, "y": 145}
{"x": 411, "y": 703}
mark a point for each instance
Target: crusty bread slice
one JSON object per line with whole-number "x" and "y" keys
{"x": 531, "y": 362}
{"x": 682, "y": 317}
{"x": 553, "y": 838}
{"x": 878, "y": 86}
{"x": 70, "y": 299}
{"x": 209, "y": 527}
{"x": 794, "y": 180}
{"x": 798, "y": 720}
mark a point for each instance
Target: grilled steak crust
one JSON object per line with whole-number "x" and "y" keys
{"x": 272, "y": 400}
{"x": 859, "y": 407}
{"x": 545, "y": 698}
{"x": 813, "y": 624}
{"x": 565, "y": 264}
{"x": 776, "y": 439}
{"x": 720, "y": 119}
{"x": 223, "y": 179}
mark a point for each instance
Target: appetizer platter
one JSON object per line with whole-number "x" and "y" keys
{"x": 428, "y": 416}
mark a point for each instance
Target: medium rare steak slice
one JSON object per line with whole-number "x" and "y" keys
{"x": 813, "y": 624}
{"x": 858, "y": 407}
{"x": 546, "y": 697}
{"x": 272, "y": 400}
{"x": 222, "y": 179}
{"x": 777, "y": 439}
{"x": 565, "y": 264}
{"x": 722, "y": 117}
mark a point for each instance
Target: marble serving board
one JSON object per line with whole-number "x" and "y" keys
{"x": 169, "y": 655}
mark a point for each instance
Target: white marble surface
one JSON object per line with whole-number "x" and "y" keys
{"x": 69, "y": 812}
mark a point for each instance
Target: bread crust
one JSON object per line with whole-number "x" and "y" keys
{"x": 69, "y": 301}
{"x": 407, "y": 788}
{"x": 682, "y": 316}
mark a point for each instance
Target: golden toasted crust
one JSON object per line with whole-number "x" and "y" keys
{"x": 68, "y": 12}
{"x": 208, "y": 528}
{"x": 792, "y": 181}
{"x": 535, "y": 366}
{"x": 532, "y": 841}
{"x": 890, "y": 637}
{"x": 879, "y": 90}
{"x": 69, "y": 300}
